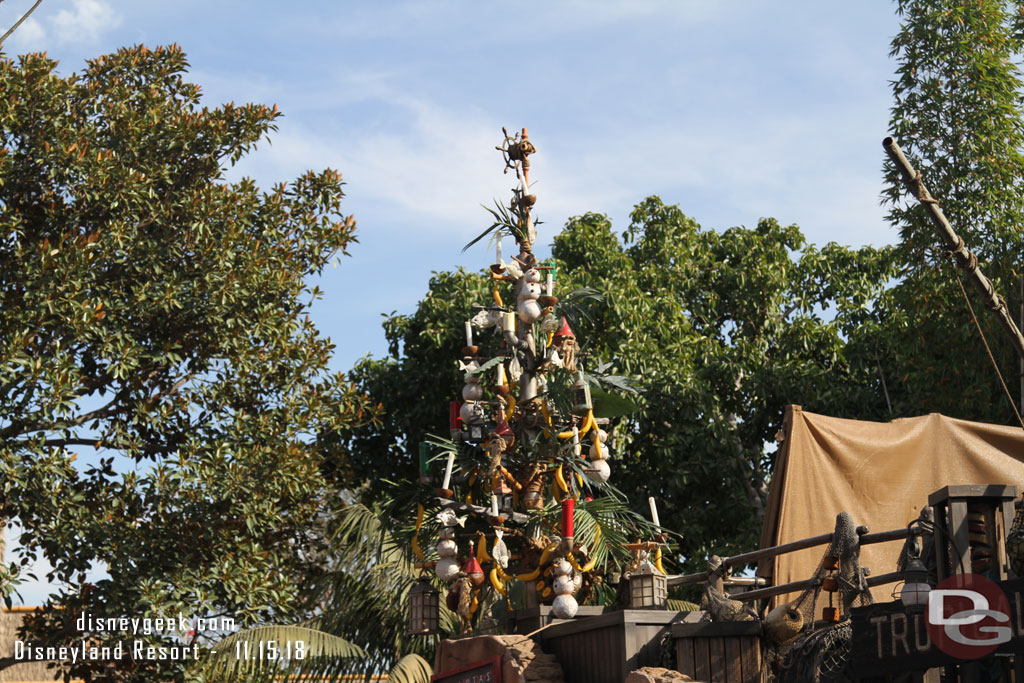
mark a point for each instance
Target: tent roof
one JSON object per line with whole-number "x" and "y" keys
{"x": 879, "y": 472}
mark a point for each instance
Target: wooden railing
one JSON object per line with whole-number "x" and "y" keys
{"x": 776, "y": 550}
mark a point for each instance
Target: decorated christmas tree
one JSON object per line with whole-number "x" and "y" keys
{"x": 517, "y": 506}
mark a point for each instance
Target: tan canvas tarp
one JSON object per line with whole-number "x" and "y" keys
{"x": 881, "y": 473}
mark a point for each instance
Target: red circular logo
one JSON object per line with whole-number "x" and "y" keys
{"x": 968, "y": 616}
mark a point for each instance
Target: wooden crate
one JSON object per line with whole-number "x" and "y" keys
{"x": 723, "y": 652}
{"x": 605, "y": 648}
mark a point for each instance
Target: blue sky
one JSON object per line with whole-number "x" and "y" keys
{"x": 735, "y": 111}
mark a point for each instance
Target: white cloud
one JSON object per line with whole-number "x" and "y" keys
{"x": 29, "y": 37}
{"x": 435, "y": 169}
{"x": 85, "y": 21}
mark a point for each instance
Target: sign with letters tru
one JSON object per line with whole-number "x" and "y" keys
{"x": 486, "y": 671}
{"x": 967, "y": 618}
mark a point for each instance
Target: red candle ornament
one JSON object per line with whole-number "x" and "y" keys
{"x": 568, "y": 510}
{"x": 454, "y": 419}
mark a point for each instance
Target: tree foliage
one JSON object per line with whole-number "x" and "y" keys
{"x": 723, "y": 329}
{"x": 720, "y": 331}
{"x": 155, "y": 321}
{"x": 957, "y": 114}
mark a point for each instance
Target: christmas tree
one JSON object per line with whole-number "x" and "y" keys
{"x": 525, "y": 497}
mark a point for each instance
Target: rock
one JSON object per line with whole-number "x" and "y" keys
{"x": 654, "y": 674}
{"x": 522, "y": 661}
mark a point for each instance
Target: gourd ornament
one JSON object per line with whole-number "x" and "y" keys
{"x": 565, "y": 605}
{"x": 472, "y": 411}
{"x": 599, "y": 471}
{"x": 447, "y": 568}
{"x": 472, "y": 392}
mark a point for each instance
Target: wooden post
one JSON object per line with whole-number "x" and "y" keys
{"x": 962, "y": 256}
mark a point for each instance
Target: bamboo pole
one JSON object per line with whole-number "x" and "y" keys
{"x": 962, "y": 256}
{"x": 775, "y": 550}
{"x": 772, "y": 591}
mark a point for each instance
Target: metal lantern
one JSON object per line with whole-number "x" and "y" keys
{"x": 648, "y": 588}
{"x": 476, "y": 432}
{"x": 581, "y": 394}
{"x": 914, "y": 595}
{"x": 506, "y": 500}
{"x": 423, "y": 609}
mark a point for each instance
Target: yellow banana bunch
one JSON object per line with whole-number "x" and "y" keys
{"x": 581, "y": 569}
{"x": 415, "y": 538}
{"x": 496, "y": 580}
{"x": 532, "y": 576}
{"x": 560, "y": 478}
{"x": 481, "y": 550}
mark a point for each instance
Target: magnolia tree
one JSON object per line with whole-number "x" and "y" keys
{"x": 155, "y": 328}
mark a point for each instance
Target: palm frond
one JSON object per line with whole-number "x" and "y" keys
{"x": 411, "y": 669}
{"x": 485, "y": 367}
{"x": 610, "y": 514}
{"x": 367, "y": 540}
{"x": 573, "y": 305}
{"x": 611, "y": 405}
{"x": 605, "y": 515}
{"x": 441, "y": 443}
{"x": 504, "y": 221}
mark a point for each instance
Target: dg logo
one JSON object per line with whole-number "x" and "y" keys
{"x": 968, "y": 616}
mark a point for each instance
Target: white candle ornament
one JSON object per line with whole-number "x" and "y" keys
{"x": 654, "y": 511}
{"x": 550, "y": 282}
{"x": 469, "y": 334}
{"x": 494, "y": 505}
{"x": 448, "y": 471}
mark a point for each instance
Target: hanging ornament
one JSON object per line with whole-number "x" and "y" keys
{"x": 549, "y": 324}
{"x": 448, "y": 518}
{"x": 471, "y": 412}
{"x": 474, "y": 571}
{"x": 488, "y": 318}
{"x": 515, "y": 370}
{"x": 500, "y": 551}
{"x": 447, "y": 568}
{"x": 564, "y": 332}
{"x": 599, "y": 471}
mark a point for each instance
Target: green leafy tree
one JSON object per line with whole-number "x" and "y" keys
{"x": 957, "y": 114}
{"x": 155, "y": 320}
